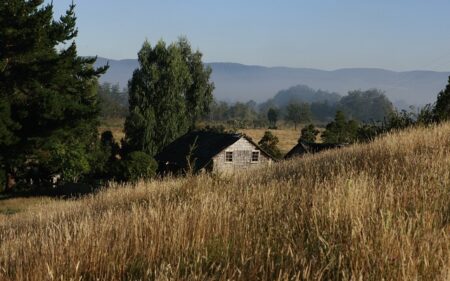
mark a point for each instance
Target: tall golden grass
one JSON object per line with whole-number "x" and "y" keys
{"x": 379, "y": 211}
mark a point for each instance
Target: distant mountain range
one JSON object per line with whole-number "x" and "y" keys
{"x": 238, "y": 82}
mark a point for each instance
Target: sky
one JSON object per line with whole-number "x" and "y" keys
{"x": 325, "y": 34}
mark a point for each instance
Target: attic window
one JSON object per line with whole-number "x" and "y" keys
{"x": 229, "y": 156}
{"x": 255, "y": 156}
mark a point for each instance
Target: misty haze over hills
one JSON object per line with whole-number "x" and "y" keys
{"x": 238, "y": 82}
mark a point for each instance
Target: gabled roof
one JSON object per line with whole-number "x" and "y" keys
{"x": 310, "y": 147}
{"x": 204, "y": 144}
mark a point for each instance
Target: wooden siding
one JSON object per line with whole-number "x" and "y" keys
{"x": 242, "y": 158}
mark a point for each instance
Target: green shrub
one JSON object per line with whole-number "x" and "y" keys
{"x": 69, "y": 160}
{"x": 137, "y": 165}
{"x": 269, "y": 143}
{"x": 309, "y": 133}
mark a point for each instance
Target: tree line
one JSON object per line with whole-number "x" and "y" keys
{"x": 363, "y": 106}
{"x": 347, "y": 130}
{"x": 113, "y": 101}
{"x": 344, "y": 130}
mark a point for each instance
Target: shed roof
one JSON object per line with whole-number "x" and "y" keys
{"x": 310, "y": 147}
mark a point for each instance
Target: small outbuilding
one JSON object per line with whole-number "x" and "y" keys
{"x": 213, "y": 152}
{"x": 303, "y": 148}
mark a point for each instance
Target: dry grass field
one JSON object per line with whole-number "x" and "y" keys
{"x": 17, "y": 205}
{"x": 288, "y": 137}
{"x": 379, "y": 211}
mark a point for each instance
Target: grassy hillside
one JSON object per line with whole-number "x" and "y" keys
{"x": 368, "y": 212}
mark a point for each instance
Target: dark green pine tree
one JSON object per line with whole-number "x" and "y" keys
{"x": 442, "y": 106}
{"x": 48, "y": 100}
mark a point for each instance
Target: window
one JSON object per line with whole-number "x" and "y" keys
{"x": 229, "y": 156}
{"x": 255, "y": 156}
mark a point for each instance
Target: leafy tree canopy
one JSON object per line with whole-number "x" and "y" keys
{"x": 298, "y": 113}
{"x": 370, "y": 105}
{"x": 167, "y": 94}
{"x": 303, "y": 94}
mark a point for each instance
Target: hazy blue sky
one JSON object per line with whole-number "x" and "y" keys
{"x": 326, "y": 34}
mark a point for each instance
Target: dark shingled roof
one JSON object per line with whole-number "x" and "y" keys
{"x": 207, "y": 145}
{"x": 310, "y": 147}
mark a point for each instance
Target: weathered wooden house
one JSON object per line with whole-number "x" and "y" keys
{"x": 210, "y": 151}
{"x": 303, "y": 148}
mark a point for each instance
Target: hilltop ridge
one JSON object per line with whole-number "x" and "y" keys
{"x": 239, "y": 82}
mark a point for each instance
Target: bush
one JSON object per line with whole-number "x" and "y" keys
{"x": 68, "y": 160}
{"x": 400, "y": 120}
{"x": 137, "y": 165}
{"x": 340, "y": 130}
{"x": 309, "y": 133}
{"x": 269, "y": 143}
{"x": 368, "y": 132}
